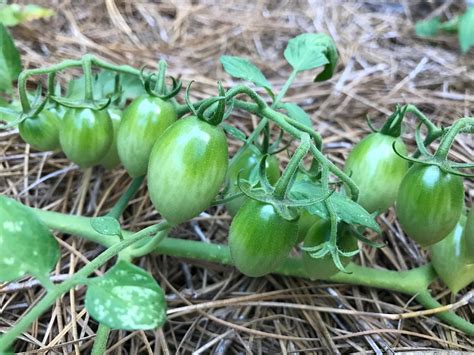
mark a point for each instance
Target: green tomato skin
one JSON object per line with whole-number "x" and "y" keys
{"x": 305, "y": 222}
{"x": 259, "y": 239}
{"x": 377, "y": 170}
{"x": 143, "y": 122}
{"x": 248, "y": 162}
{"x": 187, "y": 168}
{"x": 429, "y": 203}
{"x": 469, "y": 236}
{"x": 452, "y": 258}
{"x": 324, "y": 267}
{"x": 86, "y": 135}
{"x": 111, "y": 159}
{"x": 41, "y": 132}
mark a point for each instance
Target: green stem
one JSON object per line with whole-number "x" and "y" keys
{"x": 411, "y": 282}
{"x": 78, "y": 278}
{"x": 101, "y": 338}
{"x": 122, "y": 203}
{"x": 285, "y": 88}
{"x": 88, "y": 83}
{"x": 150, "y": 246}
{"x": 160, "y": 82}
{"x": 283, "y": 182}
{"x": 463, "y": 124}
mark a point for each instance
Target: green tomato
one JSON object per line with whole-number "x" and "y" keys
{"x": 42, "y": 131}
{"x": 429, "y": 203}
{"x": 260, "y": 239}
{"x": 86, "y": 135}
{"x": 143, "y": 122}
{"x": 377, "y": 170}
{"x": 247, "y": 164}
{"x": 452, "y": 259}
{"x": 324, "y": 267}
{"x": 305, "y": 222}
{"x": 469, "y": 236}
{"x": 187, "y": 168}
{"x": 111, "y": 159}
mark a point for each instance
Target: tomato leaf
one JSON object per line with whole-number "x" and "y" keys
{"x": 242, "y": 68}
{"x": 127, "y": 298}
{"x": 311, "y": 50}
{"x": 106, "y": 225}
{"x": 26, "y": 244}
{"x": 466, "y": 30}
{"x": 13, "y": 14}
{"x": 234, "y": 132}
{"x": 427, "y": 28}
{"x": 10, "y": 62}
{"x": 346, "y": 209}
{"x": 298, "y": 114}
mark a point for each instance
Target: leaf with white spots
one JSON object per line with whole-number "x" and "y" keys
{"x": 26, "y": 244}
{"x": 106, "y": 225}
{"x": 126, "y": 297}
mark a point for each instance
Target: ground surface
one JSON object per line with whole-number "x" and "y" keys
{"x": 382, "y": 64}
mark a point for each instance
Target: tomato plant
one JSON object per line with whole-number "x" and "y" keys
{"x": 86, "y": 135}
{"x": 143, "y": 122}
{"x": 245, "y": 167}
{"x": 186, "y": 165}
{"x": 187, "y": 168}
{"x": 259, "y": 239}
{"x": 429, "y": 203}
{"x": 42, "y": 131}
{"x": 377, "y": 170}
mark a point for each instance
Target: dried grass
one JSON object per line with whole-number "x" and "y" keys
{"x": 382, "y": 64}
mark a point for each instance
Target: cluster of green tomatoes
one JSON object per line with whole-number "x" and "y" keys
{"x": 187, "y": 165}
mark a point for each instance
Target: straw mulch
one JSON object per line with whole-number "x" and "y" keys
{"x": 382, "y": 64}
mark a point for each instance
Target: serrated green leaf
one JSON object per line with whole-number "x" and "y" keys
{"x": 13, "y": 14}
{"x": 106, "y": 225}
{"x": 427, "y": 28}
{"x": 298, "y": 114}
{"x": 345, "y": 209}
{"x": 127, "y": 298}
{"x": 466, "y": 30}
{"x": 242, "y": 68}
{"x": 10, "y": 62}
{"x": 26, "y": 244}
{"x": 311, "y": 50}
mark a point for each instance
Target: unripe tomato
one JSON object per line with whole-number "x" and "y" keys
{"x": 260, "y": 239}
{"x": 247, "y": 163}
{"x": 324, "y": 267}
{"x": 377, "y": 170}
{"x": 305, "y": 222}
{"x": 111, "y": 158}
{"x": 42, "y": 131}
{"x": 187, "y": 168}
{"x": 452, "y": 259}
{"x": 143, "y": 122}
{"x": 86, "y": 135}
{"x": 469, "y": 236}
{"x": 429, "y": 203}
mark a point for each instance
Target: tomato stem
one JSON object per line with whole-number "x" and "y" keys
{"x": 285, "y": 88}
{"x": 160, "y": 87}
{"x": 87, "y": 69}
{"x": 101, "y": 338}
{"x": 465, "y": 124}
{"x": 122, "y": 202}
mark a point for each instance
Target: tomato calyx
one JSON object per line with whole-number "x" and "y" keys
{"x": 393, "y": 125}
{"x": 155, "y": 85}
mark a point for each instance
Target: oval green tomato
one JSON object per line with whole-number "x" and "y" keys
{"x": 259, "y": 239}
{"x": 469, "y": 236}
{"x": 429, "y": 203}
{"x": 26, "y": 244}
{"x": 111, "y": 158}
{"x": 86, "y": 135}
{"x": 377, "y": 170}
{"x": 143, "y": 122}
{"x": 42, "y": 131}
{"x": 305, "y": 222}
{"x": 247, "y": 164}
{"x": 187, "y": 167}
{"x": 452, "y": 258}
{"x": 324, "y": 267}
